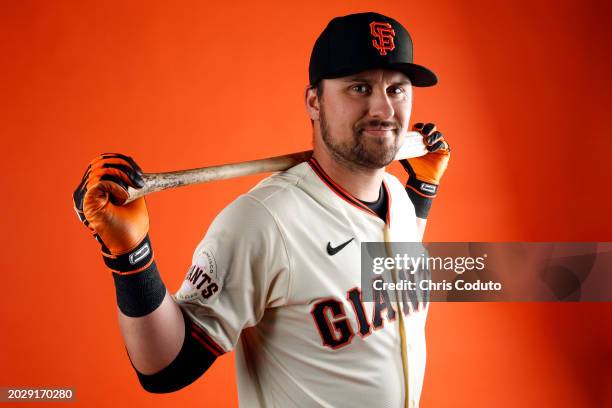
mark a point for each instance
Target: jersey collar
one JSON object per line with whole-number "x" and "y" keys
{"x": 345, "y": 195}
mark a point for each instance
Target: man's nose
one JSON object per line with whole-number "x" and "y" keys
{"x": 381, "y": 106}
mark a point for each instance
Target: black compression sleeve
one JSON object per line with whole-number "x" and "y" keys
{"x": 196, "y": 356}
{"x": 141, "y": 293}
{"x": 421, "y": 204}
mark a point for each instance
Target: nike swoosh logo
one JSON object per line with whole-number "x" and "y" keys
{"x": 333, "y": 251}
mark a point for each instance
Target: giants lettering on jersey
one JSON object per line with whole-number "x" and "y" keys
{"x": 201, "y": 281}
{"x": 335, "y": 327}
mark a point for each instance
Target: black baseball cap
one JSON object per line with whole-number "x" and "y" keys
{"x": 358, "y": 42}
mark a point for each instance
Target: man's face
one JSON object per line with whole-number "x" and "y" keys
{"x": 364, "y": 117}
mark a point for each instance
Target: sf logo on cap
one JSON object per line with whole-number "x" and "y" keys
{"x": 383, "y": 36}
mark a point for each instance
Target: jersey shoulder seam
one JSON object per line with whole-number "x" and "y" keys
{"x": 283, "y": 240}
{"x": 276, "y": 188}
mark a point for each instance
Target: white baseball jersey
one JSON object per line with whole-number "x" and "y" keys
{"x": 270, "y": 280}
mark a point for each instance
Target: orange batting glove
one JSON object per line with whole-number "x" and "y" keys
{"x": 425, "y": 172}
{"x": 98, "y": 202}
{"x": 121, "y": 229}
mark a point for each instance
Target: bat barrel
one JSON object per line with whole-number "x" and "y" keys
{"x": 162, "y": 181}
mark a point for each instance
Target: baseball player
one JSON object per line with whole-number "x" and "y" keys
{"x": 277, "y": 275}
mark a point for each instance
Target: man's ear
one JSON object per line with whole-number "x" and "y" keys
{"x": 312, "y": 103}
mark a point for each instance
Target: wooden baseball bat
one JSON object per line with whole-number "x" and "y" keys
{"x": 413, "y": 147}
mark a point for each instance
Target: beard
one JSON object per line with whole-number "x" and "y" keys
{"x": 368, "y": 152}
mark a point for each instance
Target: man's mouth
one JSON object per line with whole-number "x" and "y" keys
{"x": 379, "y": 130}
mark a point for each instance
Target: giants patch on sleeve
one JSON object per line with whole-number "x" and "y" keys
{"x": 201, "y": 282}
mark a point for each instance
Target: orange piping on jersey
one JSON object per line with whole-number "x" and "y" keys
{"x": 345, "y": 195}
{"x": 388, "y": 203}
{"x": 336, "y": 188}
{"x": 203, "y": 343}
{"x": 203, "y": 338}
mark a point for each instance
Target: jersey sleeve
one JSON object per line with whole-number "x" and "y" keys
{"x": 239, "y": 269}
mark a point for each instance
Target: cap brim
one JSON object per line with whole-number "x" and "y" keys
{"x": 418, "y": 74}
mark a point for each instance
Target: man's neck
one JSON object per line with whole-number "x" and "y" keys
{"x": 362, "y": 183}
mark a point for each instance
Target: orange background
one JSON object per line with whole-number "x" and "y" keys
{"x": 524, "y": 99}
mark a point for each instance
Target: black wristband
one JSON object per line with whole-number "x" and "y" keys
{"x": 421, "y": 204}
{"x": 140, "y": 293}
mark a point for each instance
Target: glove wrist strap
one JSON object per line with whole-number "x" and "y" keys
{"x": 428, "y": 190}
{"x": 137, "y": 259}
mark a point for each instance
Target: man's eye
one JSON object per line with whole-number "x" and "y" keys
{"x": 360, "y": 88}
{"x": 397, "y": 90}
